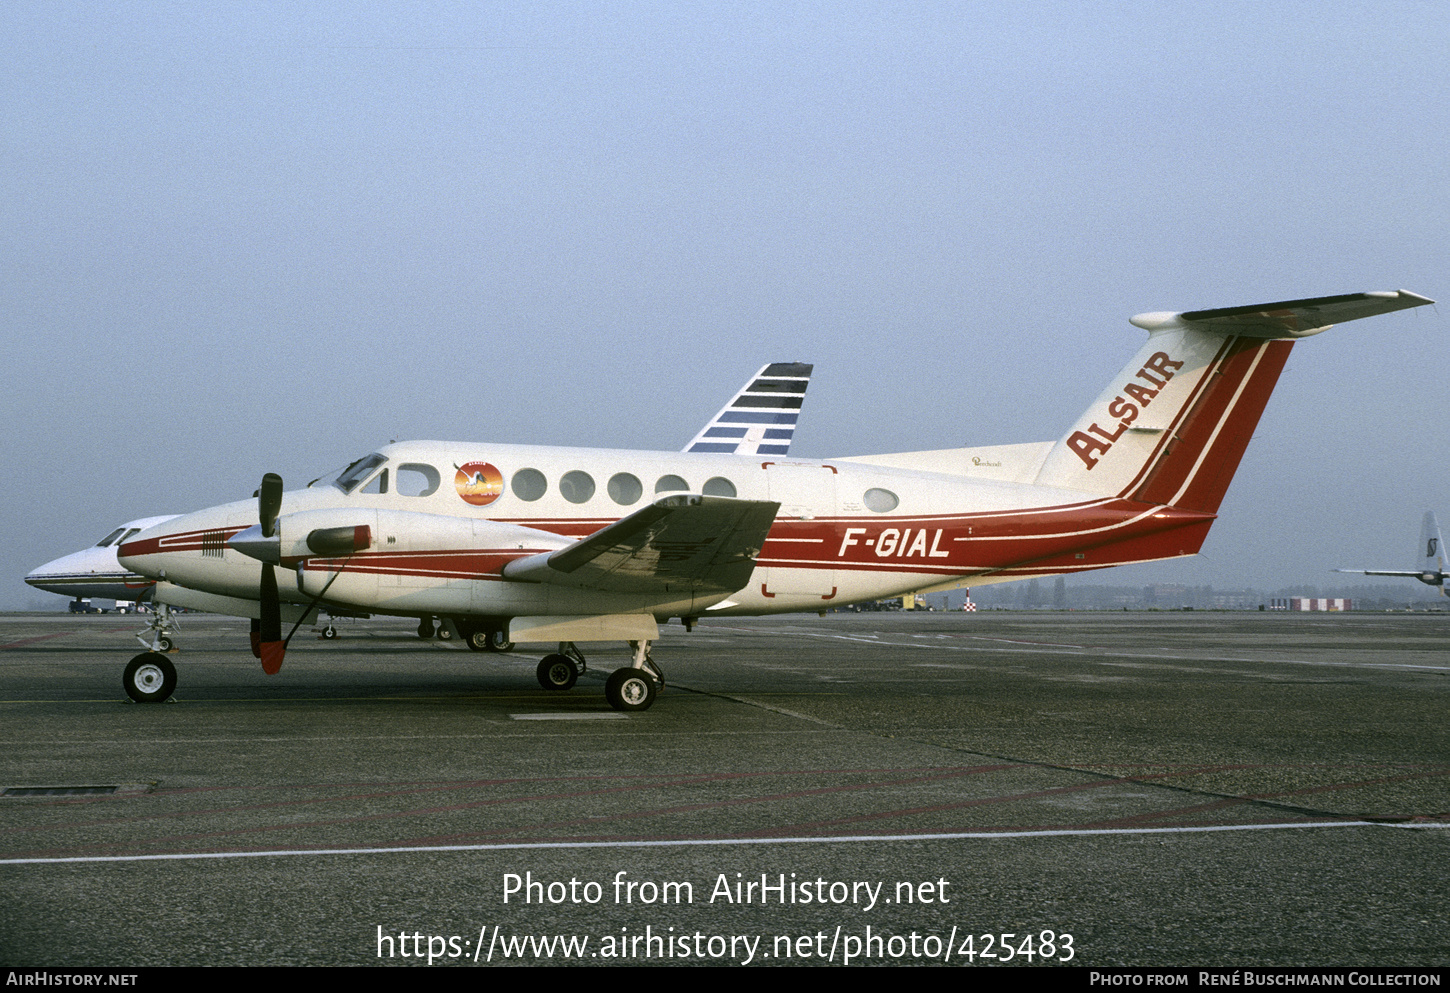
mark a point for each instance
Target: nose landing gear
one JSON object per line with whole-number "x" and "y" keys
{"x": 149, "y": 678}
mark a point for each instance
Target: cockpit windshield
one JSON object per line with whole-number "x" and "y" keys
{"x": 358, "y": 471}
{"x": 110, "y": 537}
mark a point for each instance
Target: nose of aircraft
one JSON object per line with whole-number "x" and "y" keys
{"x": 45, "y": 577}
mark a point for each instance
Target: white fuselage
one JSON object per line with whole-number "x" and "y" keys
{"x": 845, "y": 531}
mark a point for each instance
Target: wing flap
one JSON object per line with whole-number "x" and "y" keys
{"x": 681, "y": 542}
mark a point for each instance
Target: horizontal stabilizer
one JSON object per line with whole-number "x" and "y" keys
{"x": 1288, "y": 318}
{"x": 682, "y": 542}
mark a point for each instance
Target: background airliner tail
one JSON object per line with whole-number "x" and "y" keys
{"x": 761, "y": 418}
{"x": 1172, "y": 426}
{"x": 1429, "y": 565}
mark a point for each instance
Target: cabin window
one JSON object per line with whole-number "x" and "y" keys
{"x": 668, "y": 484}
{"x": 529, "y": 484}
{"x": 625, "y": 489}
{"x": 358, "y": 471}
{"x": 379, "y": 483}
{"x": 718, "y": 486}
{"x": 416, "y": 479}
{"x": 576, "y": 486}
{"x": 880, "y": 501}
{"x": 110, "y": 537}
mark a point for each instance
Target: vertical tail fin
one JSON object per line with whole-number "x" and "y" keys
{"x": 761, "y": 418}
{"x": 1431, "y": 563}
{"x": 1172, "y": 426}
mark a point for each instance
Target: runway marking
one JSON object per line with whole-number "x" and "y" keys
{"x": 1269, "y": 797}
{"x": 585, "y": 716}
{"x": 30, "y": 641}
{"x": 649, "y": 783}
{"x": 1082, "y": 650}
{"x": 719, "y": 842}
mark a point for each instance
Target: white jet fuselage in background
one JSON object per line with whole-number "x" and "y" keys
{"x": 96, "y": 571}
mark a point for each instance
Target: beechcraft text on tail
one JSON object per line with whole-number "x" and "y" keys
{"x": 561, "y": 546}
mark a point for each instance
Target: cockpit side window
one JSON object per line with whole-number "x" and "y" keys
{"x": 127, "y": 536}
{"x": 110, "y": 537}
{"x": 378, "y": 484}
{"x": 359, "y": 471}
{"x": 417, "y": 479}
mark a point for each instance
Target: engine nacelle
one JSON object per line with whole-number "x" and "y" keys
{"x": 412, "y": 563}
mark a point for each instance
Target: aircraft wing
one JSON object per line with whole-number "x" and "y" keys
{"x": 679, "y": 542}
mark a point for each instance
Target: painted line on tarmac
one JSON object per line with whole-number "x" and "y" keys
{"x": 718, "y": 842}
{"x": 1076, "y": 650}
{"x": 30, "y": 641}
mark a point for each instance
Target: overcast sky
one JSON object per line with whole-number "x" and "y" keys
{"x": 252, "y": 237}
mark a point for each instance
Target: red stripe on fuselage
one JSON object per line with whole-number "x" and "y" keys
{"x": 1105, "y": 532}
{"x": 182, "y": 541}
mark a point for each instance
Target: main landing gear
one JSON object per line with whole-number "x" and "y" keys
{"x": 629, "y": 689}
{"x": 561, "y": 670}
{"x": 490, "y": 640}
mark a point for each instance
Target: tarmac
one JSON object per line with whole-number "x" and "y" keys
{"x": 996, "y": 788}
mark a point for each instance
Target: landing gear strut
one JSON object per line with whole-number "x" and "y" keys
{"x": 157, "y": 635}
{"x": 635, "y": 687}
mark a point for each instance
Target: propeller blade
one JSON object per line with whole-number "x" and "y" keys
{"x": 270, "y": 629}
{"x": 269, "y": 503}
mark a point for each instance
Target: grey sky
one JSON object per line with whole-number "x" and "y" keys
{"x": 261, "y": 236}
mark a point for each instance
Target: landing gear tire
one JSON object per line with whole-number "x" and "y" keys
{"x": 487, "y": 640}
{"x": 630, "y": 689}
{"x": 443, "y": 633}
{"x": 425, "y": 628}
{"x": 557, "y": 672}
{"x": 164, "y": 644}
{"x": 149, "y": 678}
{"x": 329, "y": 632}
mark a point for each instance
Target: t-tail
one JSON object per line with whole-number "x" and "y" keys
{"x": 1172, "y": 426}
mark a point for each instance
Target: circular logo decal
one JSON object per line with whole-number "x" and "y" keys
{"x": 479, "y": 483}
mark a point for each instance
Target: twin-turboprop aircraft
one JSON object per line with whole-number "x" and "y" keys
{"x": 564, "y": 545}
{"x": 95, "y": 571}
